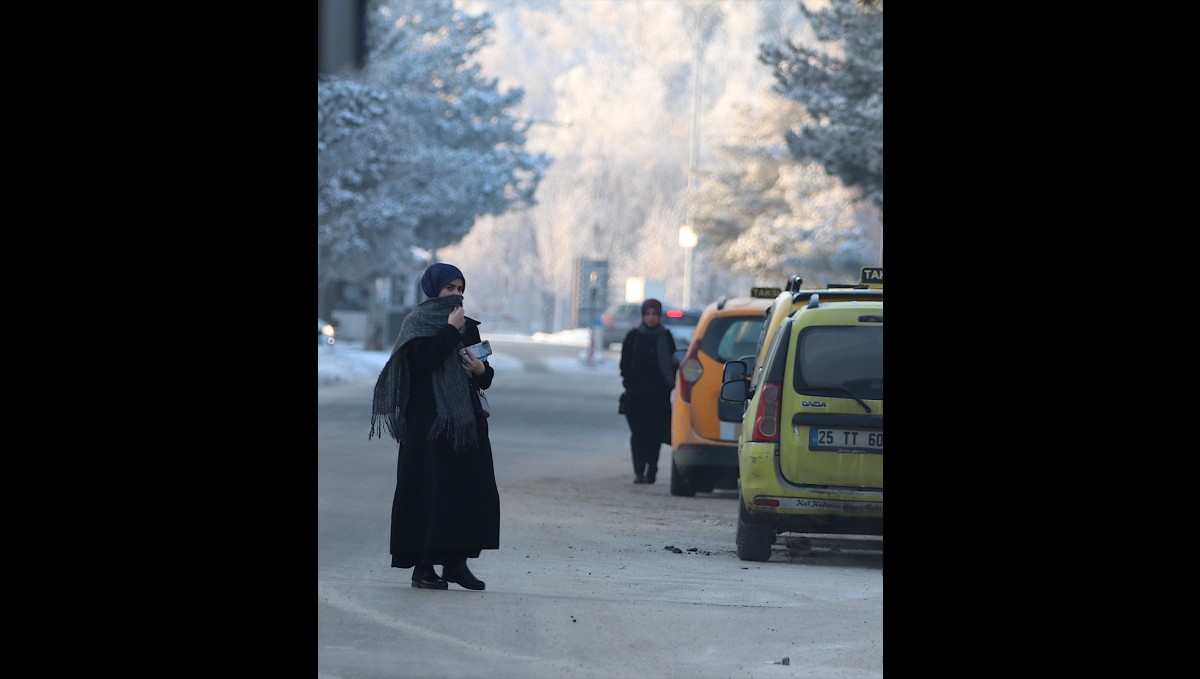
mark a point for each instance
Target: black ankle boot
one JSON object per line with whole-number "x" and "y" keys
{"x": 639, "y": 479}
{"x": 460, "y": 574}
{"x": 427, "y": 578}
{"x": 650, "y": 473}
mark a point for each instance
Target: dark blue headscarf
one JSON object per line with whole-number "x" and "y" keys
{"x": 437, "y": 276}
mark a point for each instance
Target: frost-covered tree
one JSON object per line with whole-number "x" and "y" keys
{"x": 770, "y": 216}
{"x": 611, "y": 85}
{"x": 353, "y": 161}
{"x": 839, "y": 79}
{"x": 615, "y": 118}
{"x": 412, "y": 150}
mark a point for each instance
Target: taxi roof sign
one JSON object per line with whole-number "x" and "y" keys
{"x": 764, "y": 292}
{"x": 871, "y": 276}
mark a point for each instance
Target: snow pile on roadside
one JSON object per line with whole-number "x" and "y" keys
{"x": 348, "y": 364}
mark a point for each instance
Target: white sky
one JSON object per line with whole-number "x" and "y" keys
{"x": 349, "y": 362}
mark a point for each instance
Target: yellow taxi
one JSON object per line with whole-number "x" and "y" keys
{"x": 703, "y": 447}
{"x": 810, "y": 451}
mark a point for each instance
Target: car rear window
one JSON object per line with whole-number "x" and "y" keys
{"x": 841, "y": 356}
{"x": 731, "y": 337}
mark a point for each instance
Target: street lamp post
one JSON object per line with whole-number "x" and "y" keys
{"x": 687, "y": 241}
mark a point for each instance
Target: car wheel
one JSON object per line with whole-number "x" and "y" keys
{"x": 680, "y": 487}
{"x": 753, "y": 541}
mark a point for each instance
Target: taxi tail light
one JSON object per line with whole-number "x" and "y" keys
{"x": 690, "y": 370}
{"x": 766, "y": 418}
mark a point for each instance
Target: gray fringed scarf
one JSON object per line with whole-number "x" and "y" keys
{"x": 659, "y": 334}
{"x": 451, "y": 385}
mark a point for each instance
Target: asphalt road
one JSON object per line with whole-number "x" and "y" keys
{"x": 595, "y": 577}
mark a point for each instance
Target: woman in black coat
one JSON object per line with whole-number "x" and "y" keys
{"x": 446, "y": 507}
{"x": 648, "y": 374}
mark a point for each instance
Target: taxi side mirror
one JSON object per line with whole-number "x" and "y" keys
{"x": 734, "y": 370}
{"x": 732, "y": 404}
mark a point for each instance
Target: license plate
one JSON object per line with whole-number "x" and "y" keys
{"x": 847, "y": 440}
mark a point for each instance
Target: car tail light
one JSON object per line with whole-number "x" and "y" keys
{"x": 674, "y": 313}
{"x": 689, "y": 371}
{"x": 766, "y": 419}
{"x": 605, "y": 319}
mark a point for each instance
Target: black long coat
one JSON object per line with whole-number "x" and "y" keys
{"x": 648, "y": 391}
{"x": 444, "y": 501}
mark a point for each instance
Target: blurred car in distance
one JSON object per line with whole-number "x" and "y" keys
{"x": 703, "y": 446}
{"x": 682, "y": 324}
{"x": 621, "y": 317}
{"x": 325, "y": 332}
{"x": 617, "y": 320}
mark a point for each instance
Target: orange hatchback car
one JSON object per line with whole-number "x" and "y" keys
{"x": 703, "y": 447}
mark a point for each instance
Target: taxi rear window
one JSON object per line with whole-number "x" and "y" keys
{"x": 731, "y": 337}
{"x": 846, "y": 357}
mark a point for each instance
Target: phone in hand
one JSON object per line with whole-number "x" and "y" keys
{"x": 481, "y": 350}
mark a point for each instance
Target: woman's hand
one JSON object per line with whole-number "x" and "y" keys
{"x": 457, "y": 317}
{"x": 470, "y": 363}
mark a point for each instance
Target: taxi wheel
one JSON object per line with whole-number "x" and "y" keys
{"x": 679, "y": 487}
{"x": 753, "y": 542}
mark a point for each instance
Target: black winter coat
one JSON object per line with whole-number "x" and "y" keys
{"x": 648, "y": 392}
{"x": 445, "y": 502}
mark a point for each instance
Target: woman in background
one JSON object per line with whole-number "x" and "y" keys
{"x": 446, "y": 507}
{"x": 648, "y": 374}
